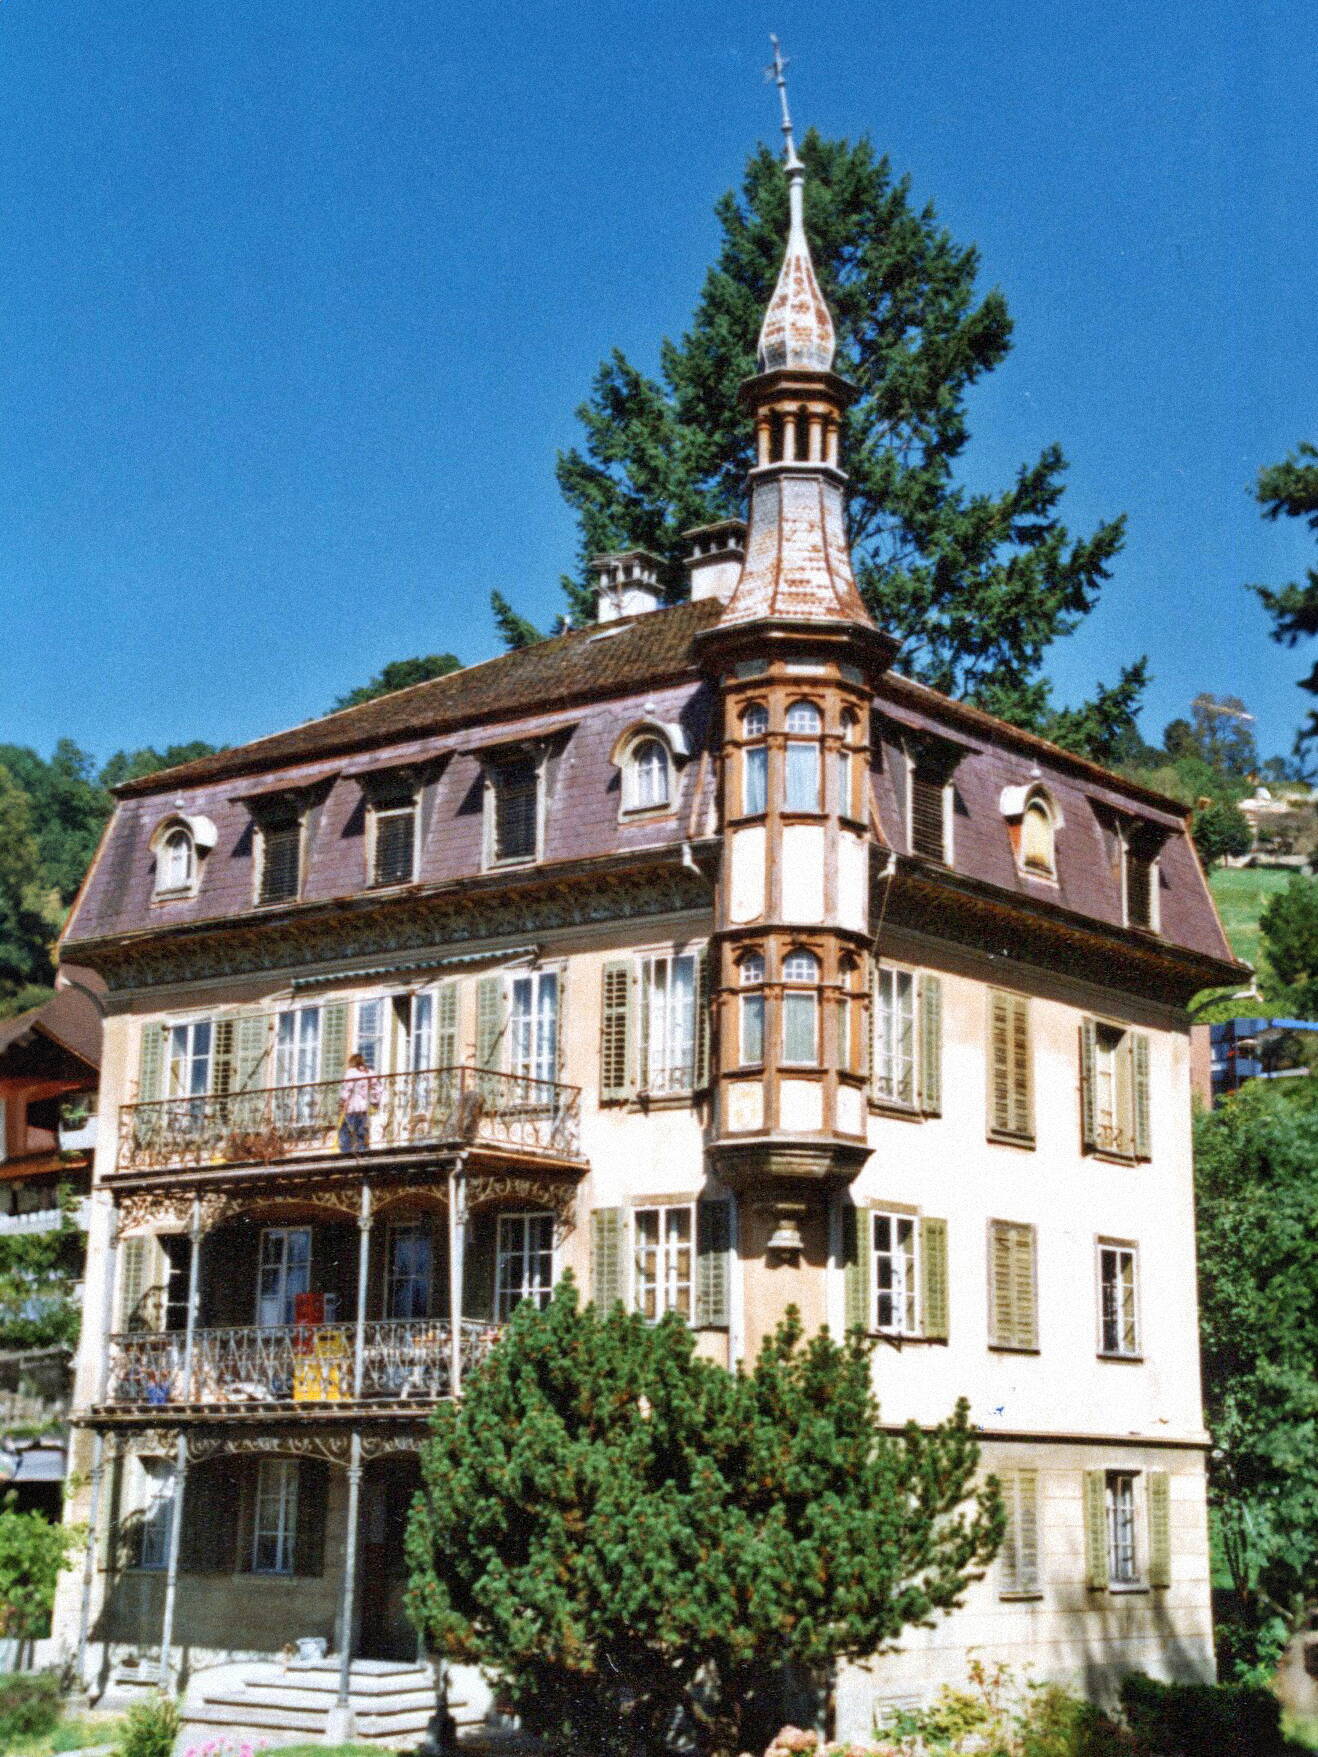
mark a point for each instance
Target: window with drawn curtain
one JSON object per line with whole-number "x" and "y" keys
{"x": 800, "y": 1009}
{"x": 751, "y": 1010}
{"x": 755, "y": 761}
{"x": 178, "y": 860}
{"x": 647, "y": 776}
{"x": 805, "y": 726}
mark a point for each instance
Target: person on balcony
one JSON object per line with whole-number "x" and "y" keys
{"x": 359, "y": 1095}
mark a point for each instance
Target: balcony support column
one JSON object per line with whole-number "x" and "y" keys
{"x": 110, "y": 1263}
{"x": 457, "y": 1249}
{"x": 365, "y": 1220}
{"x": 181, "y": 1458}
{"x": 341, "y": 1729}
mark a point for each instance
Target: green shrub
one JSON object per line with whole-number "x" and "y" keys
{"x": 150, "y": 1729}
{"x": 1203, "y": 1720}
{"x": 29, "y": 1706}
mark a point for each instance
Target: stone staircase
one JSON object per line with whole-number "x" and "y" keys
{"x": 392, "y": 1702}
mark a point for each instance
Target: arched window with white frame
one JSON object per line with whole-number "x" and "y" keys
{"x": 647, "y": 776}
{"x": 1038, "y": 830}
{"x": 805, "y": 726}
{"x": 755, "y": 760}
{"x": 800, "y": 1008}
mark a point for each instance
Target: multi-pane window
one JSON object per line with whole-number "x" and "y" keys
{"x": 524, "y": 1261}
{"x": 847, "y": 766}
{"x": 800, "y": 1009}
{"x": 663, "y": 1260}
{"x": 804, "y": 726}
{"x": 1019, "y": 1570}
{"x": 1122, "y": 1547}
{"x": 896, "y": 1274}
{"x": 647, "y": 775}
{"x": 408, "y": 1291}
{"x": 894, "y": 1036}
{"x": 281, "y": 859}
{"x": 157, "y": 1513}
{"x": 1013, "y": 1301}
{"x": 274, "y": 1531}
{"x": 285, "y": 1272}
{"x": 369, "y": 1039}
{"x": 533, "y": 1025}
{"x": 1114, "y": 1090}
{"x": 751, "y": 1010}
{"x": 668, "y": 1023}
{"x": 297, "y": 1046}
{"x": 177, "y": 862}
{"x": 395, "y": 844}
{"x": 848, "y": 1032}
{"x": 189, "y": 1059}
{"x": 755, "y": 761}
{"x": 1118, "y": 1312}
{"x": 515, "y": 801}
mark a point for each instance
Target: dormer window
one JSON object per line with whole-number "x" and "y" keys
{"x": 393, "y": 854}
{"x": 513, "y": 809}
{"x": 805, "y": 725}
{"x": 929, "y": 799}
{"x": 649, "y": 773}
{"x": 281, "y": 856}
{"x": 178, "y": 844}
{"x": 1140, "y": 863}
{"x": 1037, "y": 854}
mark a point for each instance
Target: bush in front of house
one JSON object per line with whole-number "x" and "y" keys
{"x": 150, "y": 1728}
{"x": 30, "y": 1707}
{"x": 1203, "y": 1720}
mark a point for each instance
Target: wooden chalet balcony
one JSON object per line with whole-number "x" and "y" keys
{"x": 257, "y": 1367}
{"x": 434, "y": 1108}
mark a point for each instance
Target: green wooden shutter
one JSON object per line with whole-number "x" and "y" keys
{"x": 606, "y": 1287}
{"x": 931, "y": 1046}
{"x": 713, "y": 1264}
{"x": 208, "y": 1541}
{"x": 1002, "y": 1322}
{"x": 333, "y": 1041}
{"x": 1019, "y": 1562}
{"x": 132, "y": 1280}
{"x": 1160, "y": 1529}
{"x": 933, "y": 1279}
{"x": 309, "y": 1537}
{"x": 252, "y": 1042}
{"x": 559, "y": 978}
{"x": 1139, "y": 1072}
{"x": 478, "y": 1268}
{"x": 222, "y": 1069}
{"x": 1088, "y": 1087}
{"x": 446, "y": 1025}
{"x": 489, "y": 1021}
{"x": 616, "y": 1031}
{"x": 702, "y": 1018}
{"x": 1013, "y": 1307}
{"x": 1096, "y": 1570}
{"x": 1022, "y": 1070}
{"x": 858, "y": 1268}
{"x": 151, "y": 1069}
{"x": 999, "y": 1063}
{"x": 1024, "y": 1298}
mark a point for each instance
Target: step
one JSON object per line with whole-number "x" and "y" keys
{"x": 275, "y": 1695}
{"x": 327, "y": 1683}
{"x": 293, "y": 1720}
{"x": 392, "y": 1726}
{"x": 366, "y": 1668}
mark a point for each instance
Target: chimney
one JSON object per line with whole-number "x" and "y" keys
{"x": 628, "y": 583}
{"x": 715, "y": 557}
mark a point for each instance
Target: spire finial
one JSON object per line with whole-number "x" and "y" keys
{"x": 778, "y": 74}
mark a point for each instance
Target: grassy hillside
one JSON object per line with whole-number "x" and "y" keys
{"x": 1241, "y": 894}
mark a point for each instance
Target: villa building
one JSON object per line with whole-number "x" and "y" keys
{"x": 699, "y": 952}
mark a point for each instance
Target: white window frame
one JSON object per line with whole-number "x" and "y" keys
{"x": 168, "y": 883}
{"x": 633, "y": 802}
{"x": 1124, "y": 1539}
{"x": 530, "y": 1284}
{"x": 1041, "y": 805}
{"x": 378, "y": 815}
{"x": 277, "y": 1493}
{"x": 280, "y": 1266}
{"x": 1154, "y": 923}
{"x": 494, "y": 768}
{"x": 524, "y": 1052}
{"x": 297, "y": 1046}
{"x": 750, "y": 1003}
{"x": 1118, "y": 1250}
{"x": 903, "y": 1258}
{"x": 181, "y": 1052}
{"x": 669, "y": 1064}
{"x": 371, "y": 1044}
{"x": 796, "y": 988}
{"x": 896, "y": 1002}
{"x": 658, "y": 1285}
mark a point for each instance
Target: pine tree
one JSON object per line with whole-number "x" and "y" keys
{"x": 976, "y": 586}
{"x": 1290, "y": 490}
{"x": 640, "y": 1543}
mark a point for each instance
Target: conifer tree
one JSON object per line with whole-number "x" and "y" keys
{"x": 1290, "y": 490}
{"x": 639, "y": 1543}
{"x": 976, "y": 586}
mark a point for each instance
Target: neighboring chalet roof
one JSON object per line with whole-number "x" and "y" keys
{"x": 578, "y": 694}
{"x": 69, "y": 1020}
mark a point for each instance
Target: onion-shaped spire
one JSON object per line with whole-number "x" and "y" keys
{"x": 797, "y": 328}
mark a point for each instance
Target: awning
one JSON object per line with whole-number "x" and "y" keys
{"x": 32, "y": 1464}
{"x": 415, "y": 966}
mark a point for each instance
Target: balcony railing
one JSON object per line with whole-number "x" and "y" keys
{"x": 402, "y": 1359}
{"x": 435, "y": 1106}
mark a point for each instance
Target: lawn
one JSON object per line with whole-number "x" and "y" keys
{"x": 1241, "y": 894}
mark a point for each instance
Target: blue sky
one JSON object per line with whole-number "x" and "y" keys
{"x": 298, "y": 300}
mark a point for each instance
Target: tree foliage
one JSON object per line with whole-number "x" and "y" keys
{"x": 1220, "y": 830}
{"x": 1289, "y": 926}
{"x": 400, "y": 674}
{"x": 1256, "y": 1175}
{"x": 40, "y": 1274}
{"x": 639, "y": 1541}
{"x": 30, "y": 910}
{"x": 975, "y": 585}
{"x": 33, "y": 1553}
{"x": 1290, "y": 490}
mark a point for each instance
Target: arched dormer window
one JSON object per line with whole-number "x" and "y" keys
{"x": 805, "y": 725}
{"x": 178, "y": 842}
{"x": 755, "y": 760}
{"x": 646, "y": 757}
{"x": 801, "y": 1008}
{"x": 750, "y": 1032}
{"x": 1033, "y": 821}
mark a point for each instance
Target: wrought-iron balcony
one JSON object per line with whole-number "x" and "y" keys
{"x": 403, "y": 1359}
{"x": 435, "y": 1107}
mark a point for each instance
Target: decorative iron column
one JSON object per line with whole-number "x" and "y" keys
{"x": 180, "y": 1456}
{"x": 457, "y": 1249}
{"x": 348, "y": 1591}
{"x": 111, "y": 1260}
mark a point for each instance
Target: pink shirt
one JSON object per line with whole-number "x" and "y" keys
{"x": 360, "y": 1090}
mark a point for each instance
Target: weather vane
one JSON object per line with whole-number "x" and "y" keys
{"x": 777, "y": 72}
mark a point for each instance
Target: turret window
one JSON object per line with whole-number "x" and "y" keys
{"x": 804, "y": 722}
{"x": 846, "y": 767}
{"x": 751, "y": 971}
{"x": 801, "y": 1009}
{"x": 755, "y": 761}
